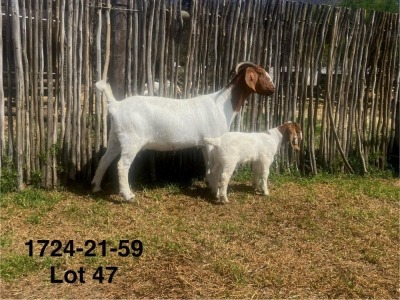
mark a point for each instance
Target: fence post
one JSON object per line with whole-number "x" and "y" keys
{"x": 2, "y": 119}
{"x": 117, "y": 68}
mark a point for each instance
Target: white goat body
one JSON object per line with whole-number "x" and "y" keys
{"x": 156, "y": 123}
{"x": 175, "y": 124}
{"x": 260, "y": 148}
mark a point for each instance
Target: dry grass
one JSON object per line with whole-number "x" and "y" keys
{"x": 320, "y": 238}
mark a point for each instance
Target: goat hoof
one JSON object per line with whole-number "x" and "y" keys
{"x": 128, "y": 198}
{"x": 95, "y": 189}
{"x": 215, "y": 196}
{"x": 223, "y": 200}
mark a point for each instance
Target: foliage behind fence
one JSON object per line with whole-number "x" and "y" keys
{"x": 336, "y": 71}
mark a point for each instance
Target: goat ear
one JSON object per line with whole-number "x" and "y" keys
{"x": 251, "y": 78}
{"x": 294, "y": 139}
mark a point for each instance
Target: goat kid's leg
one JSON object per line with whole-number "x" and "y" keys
{"x": 210, "y": 155}
{"x": 214, "y": 178}
{"x": 223, "y": 184}
{"x": 265, "y": 175}
{"x": 113, "y": 149}
{"x": 256, "y": 175}
{"x": 208, "y": 176}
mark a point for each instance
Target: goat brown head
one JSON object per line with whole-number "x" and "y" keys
{"x": 291, "y": 132}
{"x": 249, "y": 78}
{"x": 256, "y": 78}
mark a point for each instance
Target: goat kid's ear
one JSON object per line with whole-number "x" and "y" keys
{"x": 298, "y": 131}
{"x": 294, "y": 140}
{"x": 251, "y": 78}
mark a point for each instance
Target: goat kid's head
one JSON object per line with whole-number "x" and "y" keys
{"x": 291, "y": 132}
{"x": 256, "y": 78}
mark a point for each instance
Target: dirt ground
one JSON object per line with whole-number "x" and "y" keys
{"x": 325, "y": 238}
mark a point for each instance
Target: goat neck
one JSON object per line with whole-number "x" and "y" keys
{"x": 232, "y": 97}
{"x": 239, "y": 91}
{"x": 277, "y": 135}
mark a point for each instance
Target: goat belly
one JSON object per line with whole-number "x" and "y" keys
{"x": 168, "y": 147}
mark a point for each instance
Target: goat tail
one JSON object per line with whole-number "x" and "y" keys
{"x": 213, "y": 141}
{"x": 103, "y": 86}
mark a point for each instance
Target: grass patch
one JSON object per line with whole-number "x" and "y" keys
{"x": 232, "y": 270}
{"x": 17, "y": 266}
{"x": 33, "y": 201}
{"x": 31, "y": 198}
{"x": 93, "y": 214}
{"x": 34, "y": 219}
{"x": 5, "y": 240}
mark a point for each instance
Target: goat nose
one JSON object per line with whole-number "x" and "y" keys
{"x": 269, "y": 91}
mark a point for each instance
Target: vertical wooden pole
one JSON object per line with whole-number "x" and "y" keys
{"x": 42, "y": 133}
{"x": 50, "y": 107}
{"x": 86, "y": 123}
{"x": 74, "y": 96}
{"x": 118, "y": 51}
{"x": 149, "y": 35}
{"x": 7, "y": 64}
{"x": 19, "y": 77}
{"x": 135, "y": 65}
{"x": 2, "y": 146}
{"x": 78, "y": 85}
{"x": 105, "y": 72}
{"x": 69, "y": 90}
{"x": 61, "y": 72}
{"x": 143, "y": 46}
{"x": 189, "y": 62}
{"x": 97, "y": 140}
{"x": 163, "y": 21}
{"x": 56, "y": 51}
{"x": 27, "y": 42}
{"x": 129, "y": 83}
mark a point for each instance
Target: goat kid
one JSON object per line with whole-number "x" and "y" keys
{"x": 156, "y": 123}
{"x": 259, "y": 148}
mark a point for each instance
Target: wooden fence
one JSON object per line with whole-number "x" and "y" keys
{"x": 336, "y": 72}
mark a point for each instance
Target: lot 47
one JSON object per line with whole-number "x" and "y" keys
{"x": 72, "y": 276}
